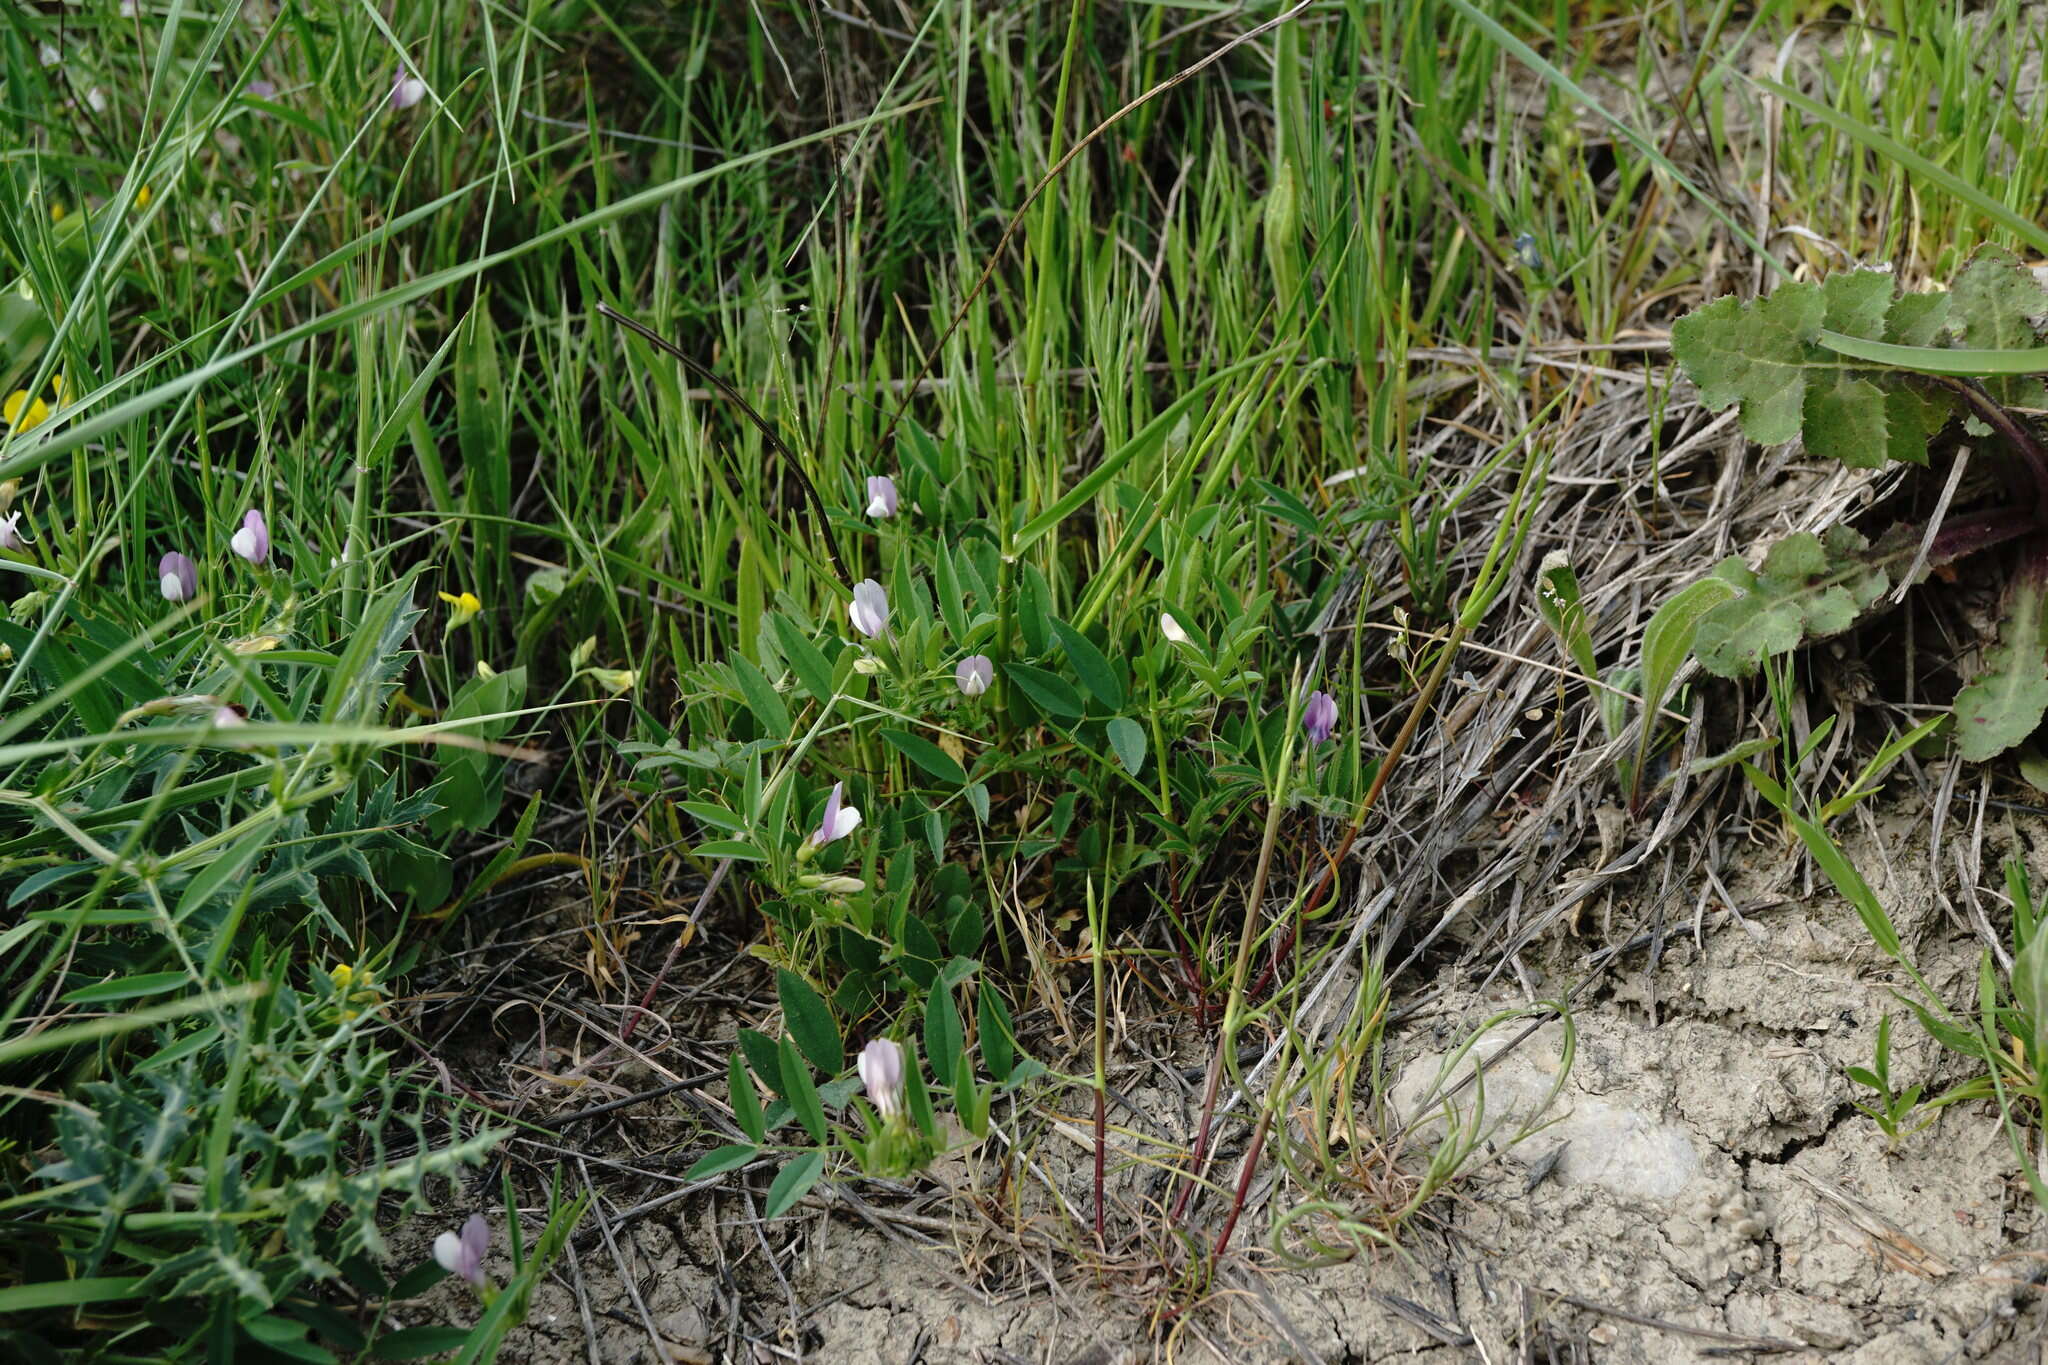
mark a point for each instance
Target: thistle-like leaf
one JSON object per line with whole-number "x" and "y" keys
{"x": 2004, "y": 703}
{"x": 1767, "y": 355}
{"x": 1997, "y": 304}
{"x": 1807, "y": 587}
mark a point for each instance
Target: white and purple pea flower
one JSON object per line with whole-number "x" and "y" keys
{"x": 974, "y": 674}
{"x": 463, "y": 1253}
{"x": 839, "y": 820}
{"x": 869, "y": 609}
{"x": 882, "y": 497}
{"x": 177, "y": 577}
{"x": 252, "y": 542}
{"x": 1319, "y": 717}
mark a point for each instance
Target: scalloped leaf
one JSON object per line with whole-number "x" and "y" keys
{"x": 1766, "y": 355}
{"x": 1807, "y": 587}
{"x": 2005, "y": 701}
{"x": 1997, "y": 304}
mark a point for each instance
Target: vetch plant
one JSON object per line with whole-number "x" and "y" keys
{"x": 406, "y": 90}
{"x": 1319, "y": 717}
{"x": 881, "y": 1072}
{"x": 839, "y": 820}
{"x": 462, "y": 1253}
{"x": 974, "y": 674}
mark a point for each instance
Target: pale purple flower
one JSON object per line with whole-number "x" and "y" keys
{"x": 252, "y": 542}
{"x": 407, "y": 90}
{"x": 881, "y": 1071}
{"x": 177, "y": 577}
{"x": 1319, "y": 717}
{"x": 262, "y": 90}
{"x": 839, "y": 820}
{"x": 869, "y": 609}
{"x": 227, "y": 717}
{"x": 882, "y": 500}
{"x": 974, "y": 674}
{"x": 463, "y": 1254}
{"x": 10, "y": 532}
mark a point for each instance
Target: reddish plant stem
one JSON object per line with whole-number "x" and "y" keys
{"x": 1402, "y": 740}
{"x": 675, "y": 950}
{"x": 1244, "y": 1184}
{"x": 1101, "y": 1141}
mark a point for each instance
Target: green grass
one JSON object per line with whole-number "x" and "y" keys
{"x": 379, "y": 328}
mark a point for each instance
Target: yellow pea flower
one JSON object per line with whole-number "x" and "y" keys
{"x": 20, "y": 412}
{"x": 465, "y": 608}
{"x": 357, "y": 989}
{"x": 142, "y": 197}
{"x": 617, "y": 681}
{"x": 57, "y": 212}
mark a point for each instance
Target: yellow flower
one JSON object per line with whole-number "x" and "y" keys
{"x": 20, "y": 412}
{"x": 57, "y": 212}
{"x": 617, "y": 681}
{"x": 466, "y": 606}
{"x": 356, "y": 990}
{"x": 57, "y": 390}
{"x": 142, "y": 197}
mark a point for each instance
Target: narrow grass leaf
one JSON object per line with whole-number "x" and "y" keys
{"x": 127, "y": 988}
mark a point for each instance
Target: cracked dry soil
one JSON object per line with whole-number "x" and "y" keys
{"x": 1703, "y": 1188}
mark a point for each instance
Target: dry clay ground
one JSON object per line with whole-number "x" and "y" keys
{"x": 1704, "y": 1190}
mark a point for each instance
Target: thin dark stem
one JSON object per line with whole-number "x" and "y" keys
{"x": 1244, "y": 1184}
{"x": 768, "y": 432}
{"x": 1994, "y": 415}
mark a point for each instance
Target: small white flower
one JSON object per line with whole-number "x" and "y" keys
{"x": 407, "y": 90}
{"x": 48, "y": 56}
{"x": 869, "y": 609}
{"x": 881, "y": 1071}
{"x": 10, "y": 532}
{"x": 1170, "y": 628}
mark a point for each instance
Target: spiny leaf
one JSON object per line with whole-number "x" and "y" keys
{"x": 2004, "y": 703}
{"x": 1807, "y": 587}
